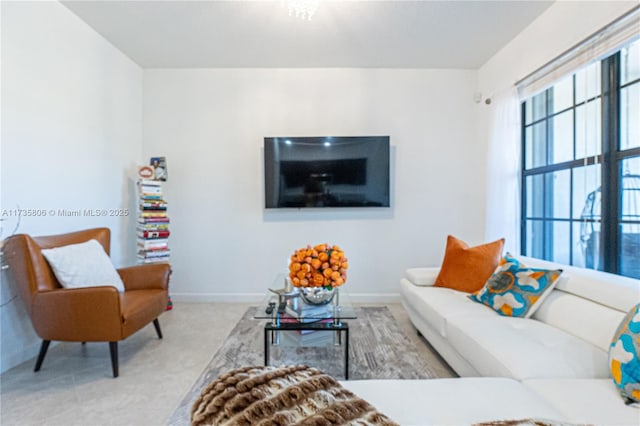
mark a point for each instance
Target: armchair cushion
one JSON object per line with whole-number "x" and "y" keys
{"x": 83, "y": 265}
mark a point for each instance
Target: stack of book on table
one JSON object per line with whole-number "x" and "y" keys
{"x": 299, "y": 312}
{"x": 153, "y": 223}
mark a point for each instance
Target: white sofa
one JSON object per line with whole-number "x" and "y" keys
{"x": 551, "y": 366}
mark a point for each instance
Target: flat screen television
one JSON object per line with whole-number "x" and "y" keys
{"x": 326, "y": 172}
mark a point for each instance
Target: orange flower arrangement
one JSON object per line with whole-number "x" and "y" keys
{"x": 319, "y": 266}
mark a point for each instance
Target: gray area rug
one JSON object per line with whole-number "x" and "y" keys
{"x": 378, "y": 349}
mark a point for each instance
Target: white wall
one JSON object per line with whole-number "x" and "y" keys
{"x": 563, "y": 25}
{"x": 71, "y": 137}
{"x": 210, "y": 125}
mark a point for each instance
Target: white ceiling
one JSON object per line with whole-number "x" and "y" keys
{"x": 343, "y": 33}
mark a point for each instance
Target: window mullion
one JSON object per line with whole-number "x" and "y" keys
{"x": 610, "y": 191}
{"x": 547, "y": 180}
{"x": 523, "y": 181}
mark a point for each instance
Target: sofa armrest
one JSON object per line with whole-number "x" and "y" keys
{"x": 144, "y": 277}
{"x": 422, "y": 276}
{"x": 78, "y": 314}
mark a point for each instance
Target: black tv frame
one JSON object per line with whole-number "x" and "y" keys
{"x": 340, "y": 174}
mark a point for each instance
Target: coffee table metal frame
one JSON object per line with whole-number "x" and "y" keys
{"x": 273, "y": 327}
{"x": 340, "y": 309}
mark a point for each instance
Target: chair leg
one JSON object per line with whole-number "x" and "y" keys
{"x": 43, "y": 352}
{"x": 156, "y": 324}
{"x": 113, "y": 350}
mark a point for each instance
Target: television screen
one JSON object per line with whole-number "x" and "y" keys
{"x": 326, "y": 171}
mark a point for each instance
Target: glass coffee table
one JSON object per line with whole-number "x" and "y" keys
{"x": 287, "y": 315}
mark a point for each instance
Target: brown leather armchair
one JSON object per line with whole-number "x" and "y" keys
{"x": 91, "y": 314}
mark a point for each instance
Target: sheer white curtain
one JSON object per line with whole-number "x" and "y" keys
{"x": 503, "y": 170}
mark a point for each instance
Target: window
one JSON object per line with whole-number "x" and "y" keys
{"x": 581, "y": 167}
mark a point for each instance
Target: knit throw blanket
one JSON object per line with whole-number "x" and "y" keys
{"x": 291, "y": 395}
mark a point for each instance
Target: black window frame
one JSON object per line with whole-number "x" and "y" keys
{"x": 610, "y": 158}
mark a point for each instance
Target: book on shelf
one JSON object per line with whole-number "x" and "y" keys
{"x": 153, "y": 223}
{"x": 325, "y": 321}
{"x": 286, "y": 318}
{"x": 292, "y": 338}
{"x": 150, "y": 196}
{"x": 319, "y": 338}
{"x": 153, "y": 226}
{"x": 153, "y": 259}
{"x": 151, "y": 251}
{"x": 148, "y": 254}
{"x": 148, "y": 189}
{"x": 153, "y": 205}
{"x": 147, "y": 234}
{"x": 154, "y": 253}
{"x": 152, "y": 186}
{"x": 153, "y": 243}
{"x": 303, "y": 312}
{"x": 153, "y": 219}
{"x": 149, "y": 182}
{"x": 153, "y": 213}
{"x": 153, "y": 229}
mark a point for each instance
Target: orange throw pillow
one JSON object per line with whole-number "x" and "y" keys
{"x": 467, "y": 268}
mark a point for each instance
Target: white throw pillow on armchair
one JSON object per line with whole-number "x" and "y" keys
{"x": 83, "y": 265}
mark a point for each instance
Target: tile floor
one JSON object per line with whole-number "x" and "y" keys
{"x": 75, "y": 385}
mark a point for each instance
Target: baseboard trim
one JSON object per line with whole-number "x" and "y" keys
{"x": 218, "y": 297}
{"x": 375, "y": 297}
{"x": 259, "y": 297}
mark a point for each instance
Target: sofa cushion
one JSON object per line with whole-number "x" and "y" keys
{"x": 516, "y": 290}
{"x": 615, "y": 291}
{"x": 422, "y": 276}
{"x": 467, "y": 268}
{"x": 523, "y": 348}
{"x": 585, "y": 401}
{"x": 591, "y": 321}
{"x": 452, "y": 401}
{"x": 624, "y": 356}
{"x": 436, "y": 304}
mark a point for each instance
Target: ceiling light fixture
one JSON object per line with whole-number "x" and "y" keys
{"x": 304, "y": 9}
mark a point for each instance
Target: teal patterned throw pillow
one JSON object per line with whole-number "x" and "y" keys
{"x": 515, "y": 290}
{"x": 624, "y": 356}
